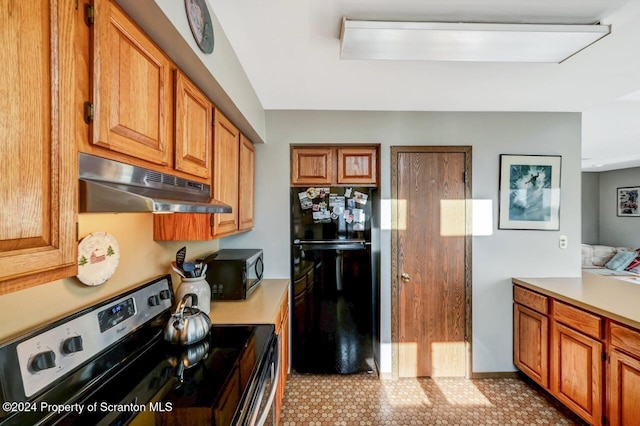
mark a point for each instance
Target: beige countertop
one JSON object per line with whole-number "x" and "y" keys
{"x": 612, "y": 298}
{"x": 260, "y": 308}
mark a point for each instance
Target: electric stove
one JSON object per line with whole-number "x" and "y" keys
{"x": 109, "y": 365}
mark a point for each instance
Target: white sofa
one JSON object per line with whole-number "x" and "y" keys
{"x": 595, "y": 257}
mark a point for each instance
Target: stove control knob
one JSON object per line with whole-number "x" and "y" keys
{"x": 164, "y": 294}
{"x": 43, "y": 361}
{"x": 72, "y": 345}
{"x": 154, "y": 300}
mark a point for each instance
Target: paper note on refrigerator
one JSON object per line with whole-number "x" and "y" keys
{"x": 305, "y": 202}
{"x": 360, "y": 197}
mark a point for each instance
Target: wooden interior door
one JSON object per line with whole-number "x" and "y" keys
{"x": 431, "y": 233}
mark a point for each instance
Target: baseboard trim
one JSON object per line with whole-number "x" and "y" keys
{"x": 385, "y": 376}
{"x": 495, "y": 375}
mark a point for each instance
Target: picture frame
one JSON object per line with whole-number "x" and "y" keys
{"x": 627, "y": 201}
{"x": 529, "y": 192}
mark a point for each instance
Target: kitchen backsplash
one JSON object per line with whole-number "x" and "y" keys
{"x": 141, "y": 258}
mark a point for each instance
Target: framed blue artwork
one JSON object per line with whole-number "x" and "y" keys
{"x": 529, "y": 192}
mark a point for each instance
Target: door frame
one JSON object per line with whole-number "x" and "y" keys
{"x": 395, "y": 150}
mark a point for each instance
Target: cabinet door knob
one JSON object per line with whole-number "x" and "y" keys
{"x": 405, "y": 277}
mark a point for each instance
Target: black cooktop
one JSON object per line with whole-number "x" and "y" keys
{"x": 159, "y": 382}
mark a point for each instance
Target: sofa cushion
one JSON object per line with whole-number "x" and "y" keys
{"x": 602, "y": 254}
{"x": 621, "y": 260}
{"x": 634, "y": 263}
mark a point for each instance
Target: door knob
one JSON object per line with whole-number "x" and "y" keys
{"x": 405, "y": 277}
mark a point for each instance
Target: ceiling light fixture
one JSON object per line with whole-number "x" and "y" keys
{"x": 442, "y": 41}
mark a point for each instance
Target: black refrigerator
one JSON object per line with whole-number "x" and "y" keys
{"x": 333, "y": 290}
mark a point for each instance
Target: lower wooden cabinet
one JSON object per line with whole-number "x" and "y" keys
{"x": 592, "y": 364}
{"x": 624, "y": 375}
{"x": 531, "y": 343}
{"x": 624, "y": 389}
{"x": 576, "y": 372}
{"x": 282, "y": 330}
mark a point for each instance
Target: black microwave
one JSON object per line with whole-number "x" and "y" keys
{"x": 234, "y": 273}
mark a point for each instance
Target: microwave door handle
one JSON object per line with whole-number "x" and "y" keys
{"x": 263, "y": 417}
{"x": 259, "y": 268}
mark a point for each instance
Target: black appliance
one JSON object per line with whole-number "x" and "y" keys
{"x": 109, "y": 365}
{"x": 234, "y": 274}
{"x": 332, "y": 280}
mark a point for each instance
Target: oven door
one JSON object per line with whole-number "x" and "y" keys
{"x": 261, "y": 406}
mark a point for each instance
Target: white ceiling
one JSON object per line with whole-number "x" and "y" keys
{"x": 290, "y": 50}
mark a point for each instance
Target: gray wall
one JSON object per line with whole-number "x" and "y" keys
{"x": 496, "y": 258}
{"x": 614, "y": 230}
{"x": 590, "y": 208}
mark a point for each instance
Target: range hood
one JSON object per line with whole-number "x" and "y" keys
{"x": 108, "y": 186}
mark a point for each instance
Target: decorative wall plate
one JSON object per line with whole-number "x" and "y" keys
{"x": 200, "y": 23}
{"x": 98, "y": 258}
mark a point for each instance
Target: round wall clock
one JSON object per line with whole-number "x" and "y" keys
{"x": 200, "y": 23}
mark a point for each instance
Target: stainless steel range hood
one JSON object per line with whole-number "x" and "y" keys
{"x": 108, "y": 186}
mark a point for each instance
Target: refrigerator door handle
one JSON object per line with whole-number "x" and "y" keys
{"x": 331, "y": 244}
{"x": 349, "y": 241}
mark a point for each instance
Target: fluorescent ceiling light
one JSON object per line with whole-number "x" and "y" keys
{"x": 432, "y": 41}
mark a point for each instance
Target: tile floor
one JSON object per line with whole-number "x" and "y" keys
{"x": 363, "y": 399}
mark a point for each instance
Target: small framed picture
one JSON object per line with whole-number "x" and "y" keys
{"x": 530, "y": 192}
{"x": 628, "y": 201}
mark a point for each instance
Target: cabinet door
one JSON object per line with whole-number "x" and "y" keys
{"x": 284, "y": 357}
{"x": 311, "y": 166}
{"x": 357, "y": 166}
{"x": 226, "y": 150}
{"x": 39, "y": 161}
{"x": 576, "y": 372}
{"x": 624, "y": 386}
{"x": 531, "y": 334}
{"x": 226, "y": 407}
{"x": 132, "y": 88}
{"x": 193, "y": 129}
{"x": 247, "y": 183}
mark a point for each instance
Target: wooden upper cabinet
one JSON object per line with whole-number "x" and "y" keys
{"x": 226, "y": 152}
{"x": 357, "y": 166}
{"x": 247, "y": 183}
{"x": 331, "y": 165}
{"x": 193, "y": 128}
{"x": 39, "y": 161}
{"x": 233, "y": 184}
{"x": 311, "y": 166}
{"x": 132, "y": 89}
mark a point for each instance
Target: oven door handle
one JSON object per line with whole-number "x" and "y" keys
{"x": 267, "y": 408}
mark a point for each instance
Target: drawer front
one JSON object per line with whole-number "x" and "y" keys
{"x": 586, "y": 323}
{"x": 530, "y": 299}
{"x": 625, "y": 338}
